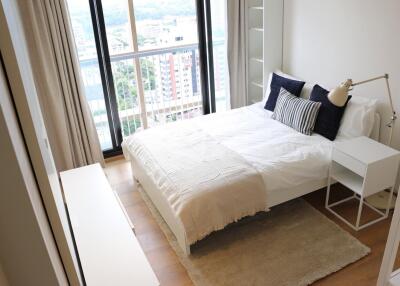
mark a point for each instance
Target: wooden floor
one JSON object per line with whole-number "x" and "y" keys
{"x": 170, "y": 272}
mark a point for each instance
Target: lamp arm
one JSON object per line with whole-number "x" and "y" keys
{"x": 386, "y": 76}
{"x": 393, "y": 118}
{"x": 390, "y": 97}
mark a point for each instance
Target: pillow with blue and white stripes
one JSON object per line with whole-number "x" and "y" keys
{"x": 296, "y": 112}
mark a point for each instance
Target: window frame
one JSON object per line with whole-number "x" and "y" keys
{"x": 205, "y": 47}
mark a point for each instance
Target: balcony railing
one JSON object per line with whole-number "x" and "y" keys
{"x": 171, "y": 84}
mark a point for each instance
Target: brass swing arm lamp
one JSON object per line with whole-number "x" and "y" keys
{"x": 338, "y": 96}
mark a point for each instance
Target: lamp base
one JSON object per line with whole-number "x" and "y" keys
{"x": 380, "y": 200}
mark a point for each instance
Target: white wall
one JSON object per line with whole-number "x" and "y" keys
{"x": 14, "y": 50}
{"x": 331, "y": 40}
{"x": 28, "y": 252}
{"x": 26, "y": 242}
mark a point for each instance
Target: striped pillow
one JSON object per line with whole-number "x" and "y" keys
{"x": 298, "y": 113}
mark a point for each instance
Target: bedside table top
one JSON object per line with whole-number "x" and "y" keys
{"x": 365, "y": 149}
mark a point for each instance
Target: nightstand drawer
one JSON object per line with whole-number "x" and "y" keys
{"x": 349, "y": 162}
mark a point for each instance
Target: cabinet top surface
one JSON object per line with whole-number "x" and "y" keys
{"x": 365, "y": 149}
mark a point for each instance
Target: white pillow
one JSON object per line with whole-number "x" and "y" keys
{"x": 358, "y": 118}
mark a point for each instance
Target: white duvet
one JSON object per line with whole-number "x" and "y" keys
{"x": 284, "y": 157}
{"x": 216, "y": 169}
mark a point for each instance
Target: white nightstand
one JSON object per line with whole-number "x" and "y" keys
{"x": 366, "y": 167}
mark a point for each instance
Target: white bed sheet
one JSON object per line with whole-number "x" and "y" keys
{"x": 284, "y": 157}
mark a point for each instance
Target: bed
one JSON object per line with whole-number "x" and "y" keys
{"x": 207, "y": 172}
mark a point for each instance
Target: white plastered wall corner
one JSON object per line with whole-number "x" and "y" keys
{"x": 332, "y": 40}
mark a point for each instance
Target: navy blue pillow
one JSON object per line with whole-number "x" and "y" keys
{"x": 292, "y": 86}
{"x": 329, "y": 115}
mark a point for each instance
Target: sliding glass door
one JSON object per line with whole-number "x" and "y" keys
{"x": 220, "y": 59}
{"x": 90, "y": 70}
{"x": 144, "y": 63}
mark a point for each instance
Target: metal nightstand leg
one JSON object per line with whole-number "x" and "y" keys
{"x": 362, "y": 202}
{"x": 328, "y": 189}
{"x": 359, "y": 213}
{"x": 389, "y": 202}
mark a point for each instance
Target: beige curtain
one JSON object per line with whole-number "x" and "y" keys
{"x": 236, "y": 42}
{"x": 69, "y": 124}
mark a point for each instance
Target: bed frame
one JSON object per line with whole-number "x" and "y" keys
{"x": 275, "y": 198}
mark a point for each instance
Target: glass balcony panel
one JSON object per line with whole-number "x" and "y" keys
{"x": 218, "y": 24}
{"x": 118, "y": 27}
{"x": 127, "y": 95}
{"x": 171, "y": 83}
{"x": 86, "y": 47}
{"x": 166, "y": 23}
{"x": 95, "y": 98}
{"x": 172, "y": 86}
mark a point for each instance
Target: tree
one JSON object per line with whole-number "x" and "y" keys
{"x": 130, "y": 125}
{"x": 125, "y": 81}
{"x": 148, "y": 76}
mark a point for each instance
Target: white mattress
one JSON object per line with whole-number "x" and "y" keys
{"x": 284, "y": 157}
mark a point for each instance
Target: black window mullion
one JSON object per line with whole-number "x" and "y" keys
{"x": 201, "y": 28}
{"x": 93, "y": 12}
{"x": 210, "y": 54}
{"x": 103, "y": 54}
{"x": 206, "y": 55}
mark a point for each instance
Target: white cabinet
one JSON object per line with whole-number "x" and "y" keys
{"x": 264, "y": 26}
{"x": 366, "y": 167}
{"x": 108, "y": 250}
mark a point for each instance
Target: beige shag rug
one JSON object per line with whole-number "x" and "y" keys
{"x": 293, "y": 244}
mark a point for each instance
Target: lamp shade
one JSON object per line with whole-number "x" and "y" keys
{"x": 338, "y": 95}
